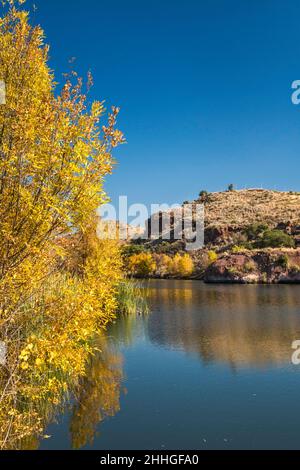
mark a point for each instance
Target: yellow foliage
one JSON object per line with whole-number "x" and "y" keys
{"x": 185, "y": 265}
{"x": 53, "y": 159}
{"x": 141, "y": 264}
{"x": 181, "y": 265}
{"x": 163, "y": 264}
{"x": 212, "y": 256}
{"x": 237, "y": 249}
{"x": 98, "y": 395}
{"x": 147, "y": 264}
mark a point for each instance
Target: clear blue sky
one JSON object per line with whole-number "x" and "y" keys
{"x": 204, "y": 88}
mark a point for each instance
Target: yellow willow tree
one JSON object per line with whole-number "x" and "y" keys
{"x": 54, "y": 156}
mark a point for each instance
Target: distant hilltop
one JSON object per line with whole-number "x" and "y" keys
{"x": 228, "y": 213}
{"x": 248, "y": 206}
{"x": 224, "y": 213}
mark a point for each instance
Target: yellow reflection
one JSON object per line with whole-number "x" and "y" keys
{"x": 98, "y": 395}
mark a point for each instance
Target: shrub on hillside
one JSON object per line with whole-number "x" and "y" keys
{"x": 128, "y": 250}
{"x": 204, "y": 196}
{"x": 249, "y": 266}
{"x": 275, "y": 239}
{"x": 255, "y": 230}
{"x": 283, "y": 261}
{"x": 212, "y": 256}
{"x": 237, "y": 248}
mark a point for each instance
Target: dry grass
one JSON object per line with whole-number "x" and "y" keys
{"x": 245, "y": 207}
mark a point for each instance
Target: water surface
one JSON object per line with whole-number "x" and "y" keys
{"x": 208, "y": 368}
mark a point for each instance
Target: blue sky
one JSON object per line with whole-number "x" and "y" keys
{"x": 204, "y": 88}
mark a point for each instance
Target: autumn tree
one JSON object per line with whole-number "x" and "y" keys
{"x": 185, "y": 266}
{"x": 54, "y": 156}
{"x": 181, "y": 265}
{"x": 141, "y": 264}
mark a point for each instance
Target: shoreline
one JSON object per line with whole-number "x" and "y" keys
{"x": 225, "y": 281}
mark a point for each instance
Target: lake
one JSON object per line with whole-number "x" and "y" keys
{"x": 208, "y": 368}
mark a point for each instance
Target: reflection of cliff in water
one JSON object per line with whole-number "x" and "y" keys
{"x": 242, "y": 325}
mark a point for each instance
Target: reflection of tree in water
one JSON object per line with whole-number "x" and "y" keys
{"x": 237, "y": 325}
{"x": 98, "y": 394}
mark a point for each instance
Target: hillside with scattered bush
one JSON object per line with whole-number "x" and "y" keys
{"x": 249, "y": 222}
{"x": 249, "y": 206}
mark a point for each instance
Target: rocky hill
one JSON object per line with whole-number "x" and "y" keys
{"x": 227, "y": 214}
{"x": 250, "y": 235}
{"x": 245, "y": 207}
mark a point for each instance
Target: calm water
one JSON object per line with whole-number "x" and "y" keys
{"x": 208, "y": 368}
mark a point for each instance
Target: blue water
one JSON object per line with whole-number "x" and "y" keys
{"x": 208, "y": 368}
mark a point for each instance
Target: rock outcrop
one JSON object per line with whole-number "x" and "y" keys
{"x": 268, "y": 266}
{"x": 244, "y": 231}
{"x": 228, "y": 213}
